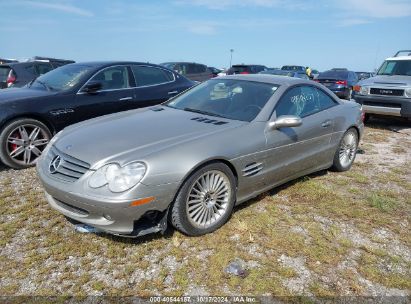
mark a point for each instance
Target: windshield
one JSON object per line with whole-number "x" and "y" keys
{"x": 293, "y": 68}
{"x": 62, "y": 78}
{"x": 168, "y": 65}
{"x": 334, "y": 74}
{"x": 395, "y": 67}
{"x": 228, "y": 98}
{"x": 239, "y": 68}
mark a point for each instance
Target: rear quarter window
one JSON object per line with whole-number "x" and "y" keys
{"x": 4, "y": 72}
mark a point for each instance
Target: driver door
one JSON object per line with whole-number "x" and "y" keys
{"x": 292, "y": 151}
{"x": 114, "y": 96}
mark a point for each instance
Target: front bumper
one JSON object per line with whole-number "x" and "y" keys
{"x": 111, "y": 215}
{"x": 385, "y": 105}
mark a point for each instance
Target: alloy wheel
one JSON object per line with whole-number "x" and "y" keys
{"x": 25, "y": 144}
{"x": 208, "y": 199}
{"x": 348, "y": 149}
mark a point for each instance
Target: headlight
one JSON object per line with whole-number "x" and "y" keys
{"x": 363, "y": 91}
{"x": 407, "y": 92}
{"x": 118, "y": 179}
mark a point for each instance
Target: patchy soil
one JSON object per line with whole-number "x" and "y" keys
{"x": 328, "y": 234}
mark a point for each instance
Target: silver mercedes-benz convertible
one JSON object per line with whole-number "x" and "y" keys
{"x": 189, "y": 161}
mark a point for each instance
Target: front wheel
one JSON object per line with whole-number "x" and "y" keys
{"x": 346, "y": 151}
{"x": 22, "y": 141}
{"x": 205, "y": 201}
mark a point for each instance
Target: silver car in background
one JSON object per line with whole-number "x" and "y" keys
{"x": 191, "y": 160}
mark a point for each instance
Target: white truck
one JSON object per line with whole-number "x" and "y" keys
{"x": 389, "y": 92}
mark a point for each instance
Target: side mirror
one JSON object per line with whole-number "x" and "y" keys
{"x": 286, "y": 121}
{"x": 92, "y": 87}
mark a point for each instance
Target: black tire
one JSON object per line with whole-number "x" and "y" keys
{"x": 35, "y": 146}
{"x": 366, "y": 117}
{"x": 349, "y": 95}
{"x": 179, "y": 210}
{"x": 338, "y": 164}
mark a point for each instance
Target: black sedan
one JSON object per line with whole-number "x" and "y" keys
{"x": 30, "y": 116}
{"x": 339, "y": 81}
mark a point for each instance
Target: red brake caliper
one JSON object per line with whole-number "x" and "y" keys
{"x": 14, "y": 146}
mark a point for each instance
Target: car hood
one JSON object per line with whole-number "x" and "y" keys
{"x": 13, "y": 94}
{"x": 395, "y": 80}
{"x": 113, "y": 138}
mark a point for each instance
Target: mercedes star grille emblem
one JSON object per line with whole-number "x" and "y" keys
{"x": 55, "y": 164}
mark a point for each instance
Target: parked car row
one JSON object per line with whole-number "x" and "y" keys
{"x": 298, "y": 74}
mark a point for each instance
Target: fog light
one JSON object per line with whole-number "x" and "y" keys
{"x": 107, "y": 217}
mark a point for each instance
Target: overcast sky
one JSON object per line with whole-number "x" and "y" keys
{"x": 357, "y": 34}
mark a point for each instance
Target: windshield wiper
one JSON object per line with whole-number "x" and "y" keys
{"x": 203, "y": 112}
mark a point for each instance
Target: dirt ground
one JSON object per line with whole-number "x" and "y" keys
{"x": 328, "y": 234}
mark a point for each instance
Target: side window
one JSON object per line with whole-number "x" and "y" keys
{"x": 43, "y": 68}
{"x": 325, "y": 100}
{"x": 201, "y": 68}
{"x": 58, "y": 64}
{"x": 113, "y": 78}
{"x": 145, "y": 75}
{"x": 299, "y": 101}
{"x": 30, "y": 69}
{"x": 191, "y": 68}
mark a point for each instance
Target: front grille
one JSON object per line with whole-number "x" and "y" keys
{"x": 69, "y": 168}
{"x": 388, "y": 92}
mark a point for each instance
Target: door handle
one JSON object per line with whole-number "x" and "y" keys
{"x": 126, "y": 98}
{"x": 326, "y": 124}
{"x": 172, "y": 92}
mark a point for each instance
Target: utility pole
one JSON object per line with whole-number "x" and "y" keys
{"x": 231, "y": 56}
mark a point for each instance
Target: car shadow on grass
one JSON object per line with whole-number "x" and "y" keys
{"x": 390, "y": 123}
{"x": 168, "y": 234}
{"x": 279, "y": 188}
{"x": 3, "y": 167}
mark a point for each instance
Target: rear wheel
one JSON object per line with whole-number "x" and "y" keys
{"x": 205, "y": 201}
{"x": 22, "y": 142}
{"x": 349, "y": 95}
{"x": 346, "y": 151}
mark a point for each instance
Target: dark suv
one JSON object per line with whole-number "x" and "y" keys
{"x": 246, "y": 69}
{"x": 18, "y": 74}
{"x": 191, "y": 70}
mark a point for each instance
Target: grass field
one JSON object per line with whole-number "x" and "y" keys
{"x": 328, "y": 234}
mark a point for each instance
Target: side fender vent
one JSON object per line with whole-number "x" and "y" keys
{"x": 252, "y": 169}
{"x": 209, "y": 121}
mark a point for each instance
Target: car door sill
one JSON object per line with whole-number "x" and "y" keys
{"x": 282, "y": 182}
